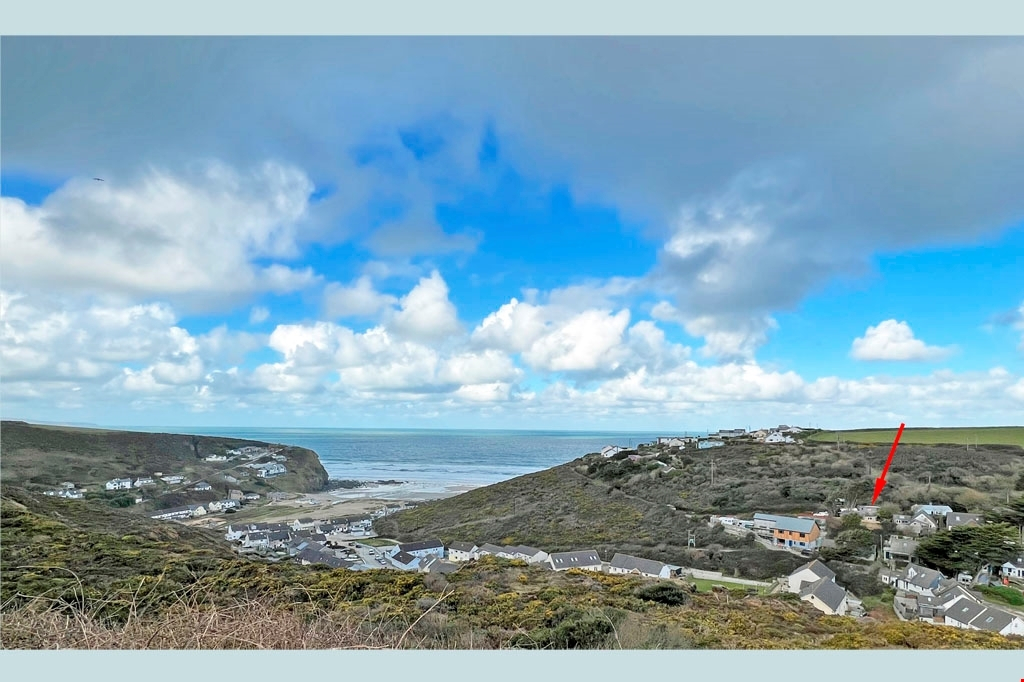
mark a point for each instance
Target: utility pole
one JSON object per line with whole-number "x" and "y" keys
{"x": 712, "y": 472}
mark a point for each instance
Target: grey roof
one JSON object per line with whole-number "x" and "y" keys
{"x": 404, "y": 558}
{"x": 462, "y": 546}
{"x": 488, "y": 548}
{"x": 903, "y": 546}
{"x": 905, "y": 518}
{"x": 584, "y": 557}
{"x": 954, "y": 519}
{"x": 965, "y": 611}
{"x": 992, "y": 619}
{"x": 827, "y": 591}
{"x": 633, "y": 563}
{"x": 524, "y": 550}
{"x": 419, "y": 546}
{"x": 443, "y": 567}
{"x": 817, "y": 568}
{"x": 920, "y": 576}
{"x": 788, "y": 522}
{"x": 940, "y": 509}
{"x": 277, "y": 535}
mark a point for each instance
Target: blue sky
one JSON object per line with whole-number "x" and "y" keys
{"x": 733, "y": 237}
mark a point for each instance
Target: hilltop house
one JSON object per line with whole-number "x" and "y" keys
{"x": 609, "y": 450}
{"x": 145, "y": 480}
{"x": 216, "y": 458}
{"x": 202, "y": 486}
{"x": 270, "y": 469}
{"x": 119, "y": 484}
{"x": 173, "y": 479}
{"x": 624, "y": 564}
{"x": 776, "y": 437}
{"x": 955, "y": 519}
{"x": 462, "y": 551}
{"x": 587, "y": 559}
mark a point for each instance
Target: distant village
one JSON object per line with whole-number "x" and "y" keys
{"x": 921, "y": 593}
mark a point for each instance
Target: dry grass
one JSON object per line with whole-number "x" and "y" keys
{"x": 196, "y": 621}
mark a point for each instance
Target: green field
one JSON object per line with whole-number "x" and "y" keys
{"x": 705, "y": 585}
{"x": 378, "y": 542}
{"x": 994, "y": 435}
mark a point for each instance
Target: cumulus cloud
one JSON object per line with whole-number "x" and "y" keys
{"x": 893, "y": 340}
{"x": 197, "y": 238}
{"x": 425, "y": 313}
{"x": 258, "y": 314}
{"x": 359, "y": 299}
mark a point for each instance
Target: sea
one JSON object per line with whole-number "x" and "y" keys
{"x": 432, "y": 459}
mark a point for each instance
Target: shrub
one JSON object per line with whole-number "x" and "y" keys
{"x": 664, "y": 593}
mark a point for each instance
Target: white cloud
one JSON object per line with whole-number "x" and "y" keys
{"x": 258, "y": 314}
{"x": 193, "y": 238}
{"x": 587, "y": 341}
{"x": 425, "y": 313}
{"x": 359, "y": 299}
{"x": 893, "y": 340}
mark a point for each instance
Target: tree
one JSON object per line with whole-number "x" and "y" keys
{"x": 1019, "y": 485}
{"x": 965, "y": 548}
{"x": 850, "y": 522}
{"x": 1012, "y": 514}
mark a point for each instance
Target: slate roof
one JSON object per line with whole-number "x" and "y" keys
{"x": 817, "y": 568}
{"x": 940, "y": 509}
{"x": 954, "y": 519}
{"x": 420, "y": 546}
{"x": 788, "y": 523}
{"x": 827, "y": 591}
{"x": 965, "y": 611}
{"x": 404, "y": 558}
{"x": 584, "y": 557}
{"x": 488, "y": 548}
{"x": 462, "y": 546}
{"x": 278, "y": 535}
{"x": 920, "y": 576}
{"x": 992, "y": 619}
{"x": 631, "y": 563}
{"x": 903, "y": 546}
{"x": 524, "y": 550}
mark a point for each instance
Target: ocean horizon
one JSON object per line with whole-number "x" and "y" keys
{"x": 436, "y": 457}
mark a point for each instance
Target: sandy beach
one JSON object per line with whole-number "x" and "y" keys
{"x": 340, "y": 503}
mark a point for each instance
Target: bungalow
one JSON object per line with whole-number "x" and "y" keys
{"x": 622, "y": 564}
{"x": 868, "y": 512}
{"x": 139, "y": 482}
{"x": 808, "y": 574}
{"x": 955, "y": 519}
{"x": 530, "y": 555}
{"x": 826, "y": 596}
{"x": 422, "y": 549}
{"x": 899, "y": 550}
{"x": 489, "y": 549}
{"x": 997, "y": 620}
{"x": 173, "y": 479}
{"x": 216, "y": 458}
{"x": 406, "y": 561}
{"x": 609, "y": 450}
{"x": 251, "y": 497}
{"x": 962, "y": 613}
{"x": 119, "y": 484}
{"x": 587, "y": 559}
{"x": 202, "y": 486}
{"x": 1013, "y": 569}
{"x": 462, "y": 551}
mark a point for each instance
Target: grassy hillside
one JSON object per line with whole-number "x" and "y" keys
{"x": 649, "y": 506}
{"x": 80, "y": 575}
{"x": 995, "y": 435}
{"x": 36, "y": 456}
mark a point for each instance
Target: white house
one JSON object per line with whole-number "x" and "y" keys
{"x": 826, "y": 596}
{"x": 139, "y": 482}
{"x": 119, "y": 484}
{"x": 587, "y": 559}
{"x": 197, "y": 509}
{"x": 202, "y": 486}
{"x": 1014, "y": 569}
{"x": 214, "y": 506}
{"x": 251, "y": 497}
{"x": 776, "y": 437}
{"x": 216, "y": 458}
{"x": 462, "y": 551}
{"x": 422, "y": 549}
{"x": 173, "y": 479}
{"x": 270, "y": 469}
{"x": 808, "y": 574}
{"x": 609, "y": 450}
{"x": 624, "y": 564}
{"x": 530, "y": 555}
{"x": 173, "y": 514}
{"x": 916, "y": 579}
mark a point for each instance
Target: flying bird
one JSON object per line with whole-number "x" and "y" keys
{"x": 99, "y": 179}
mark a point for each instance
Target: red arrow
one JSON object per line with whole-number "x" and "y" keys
{"x": 880, "y": 481}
